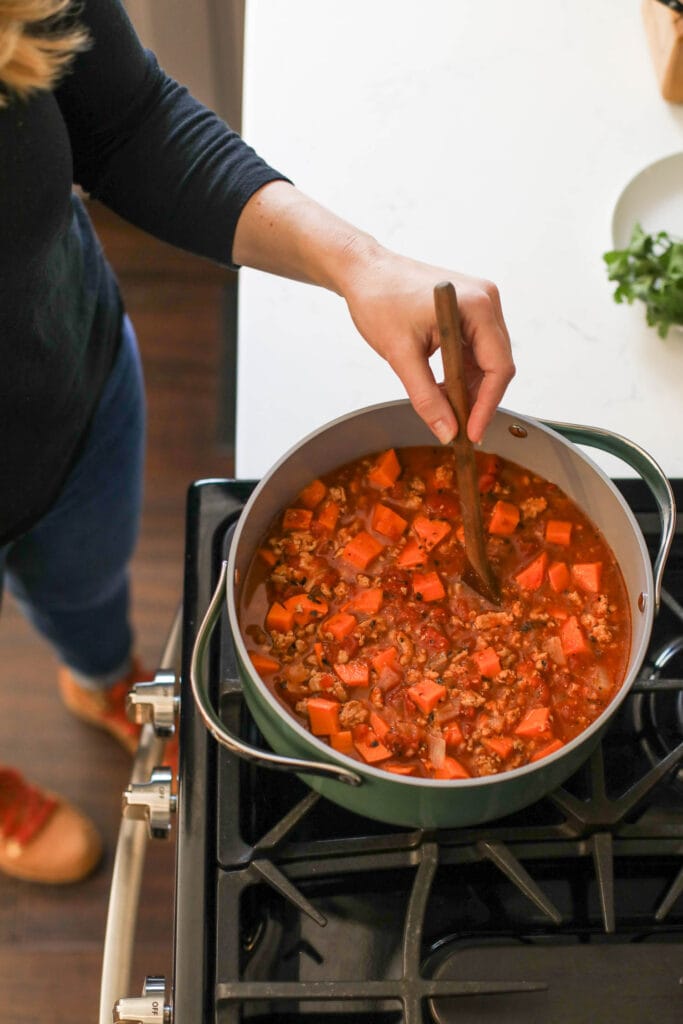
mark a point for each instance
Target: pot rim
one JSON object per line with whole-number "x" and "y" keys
{"x": 332, "y": 756}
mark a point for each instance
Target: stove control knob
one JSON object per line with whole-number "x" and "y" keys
{"x": 152, "y": 802}
{"x": 150, "y": 1008}
{"x": 155, "y": 702}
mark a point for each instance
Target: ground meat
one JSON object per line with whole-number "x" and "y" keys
{"x": 532, "y": 508}
{"x": 489, "y": 620}
{"x": 443, "y": 476}
{"x": 353, "y": 713}
{"x": 282, "y": 641}
{"x": 470, "y": 699}
{"x": 596, "y": 630}
{"x": 339, "y": 691}
{"x": 406, "y": 648}
{"x": 486, "y": 763}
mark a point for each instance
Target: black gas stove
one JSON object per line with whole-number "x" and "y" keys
{"x": 290, "y": 909}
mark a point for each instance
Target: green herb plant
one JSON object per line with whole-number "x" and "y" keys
{"x": 650, "y": 269}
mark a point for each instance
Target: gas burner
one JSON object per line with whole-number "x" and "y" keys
{"x": 290, "y": 909}
{"x": 601, "y": 963}
{"x": 658, "y": 714}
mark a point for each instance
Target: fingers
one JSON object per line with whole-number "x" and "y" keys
{"x": 427, "y": 398}
{"x": 491, "y": 391}
{"x": 491, "y": 352}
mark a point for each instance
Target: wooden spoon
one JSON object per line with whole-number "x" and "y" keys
{"x": 448, "y": 318}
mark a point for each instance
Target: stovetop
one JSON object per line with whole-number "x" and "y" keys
{"x": 291, "y": 909}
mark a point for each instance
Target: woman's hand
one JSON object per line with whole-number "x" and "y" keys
{"x": 391, "y": 301}
{"x": 390, "y": 298}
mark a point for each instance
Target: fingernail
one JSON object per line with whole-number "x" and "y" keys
{"x": 443, "y": 431}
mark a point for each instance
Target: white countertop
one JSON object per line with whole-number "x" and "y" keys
{"x": 489, "y": 137}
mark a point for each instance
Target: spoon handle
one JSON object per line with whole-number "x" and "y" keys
{"x": 448, "y": 320}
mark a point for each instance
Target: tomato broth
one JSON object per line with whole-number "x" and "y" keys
{"x": 358, "y": 617}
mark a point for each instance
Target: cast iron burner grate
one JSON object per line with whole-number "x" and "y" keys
{"x": 316, "y": 914}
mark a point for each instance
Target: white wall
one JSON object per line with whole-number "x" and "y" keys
{"x": 491, "y": 137}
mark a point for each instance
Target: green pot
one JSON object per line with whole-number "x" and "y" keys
{"x": 549, "y": 450}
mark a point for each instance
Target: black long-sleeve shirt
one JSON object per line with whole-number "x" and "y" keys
{"x": 136, "y": 140}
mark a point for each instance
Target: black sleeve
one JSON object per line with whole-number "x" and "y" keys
{"x": 147, "y": 149}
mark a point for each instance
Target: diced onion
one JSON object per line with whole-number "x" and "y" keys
{"x": 601, "y": 680}
{"x": 553, "y": 647}
{"x": 436, "y": 747}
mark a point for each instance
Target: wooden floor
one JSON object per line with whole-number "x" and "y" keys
{"x": 51, "y": 938}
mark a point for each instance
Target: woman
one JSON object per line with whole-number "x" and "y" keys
{"x": 83, "y": 102}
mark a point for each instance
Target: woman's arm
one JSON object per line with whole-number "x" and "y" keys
{"x": 390, "y": 299}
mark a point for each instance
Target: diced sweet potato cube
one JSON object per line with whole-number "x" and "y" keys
{"x": 328, "y": 516}
{"x": 370, "y": 748}
{"x": 558, "y": 531}
{"x": 411, "y": 556}
{"x": 430, "y": 531}
{"x": 500, "y": 745}
{"x": 549, "y": 748}
{"x": 353, "y": 673}
{"x": 386, "y": 470}
{"x": 428, "y": 586}
{"x": 279, "y": 619}
{"x": 297, "y": 519}
{"x": 367, "y": 602}
{"x": 426, "y": 694}
{"x": 535, "y": 723}
{"x": 451, "y": 769}
{"x": 362, "y": 549}
{"x": 342, "y": 741}
{"x": 323, "y": 715}
{"x": 313, "y": 494}
{"x": 532, "y": 577}
{"x": 504, "y": 519}
{"x": 558, "y": 576}
{"x": 572, "y": 637}
{"x": 487, "y": 661}
{"x": 263, "y": 664}
{"x": 387, "y": 522}
{"x": 340, "y": 625}
{"x": 587, "y": 575}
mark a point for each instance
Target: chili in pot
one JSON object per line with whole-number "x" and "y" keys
{"x": 356, "y": 616}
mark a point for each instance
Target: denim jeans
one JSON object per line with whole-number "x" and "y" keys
{"x": 69, "y": 573}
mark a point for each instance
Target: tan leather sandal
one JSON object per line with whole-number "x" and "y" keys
{"x": 43, "y": 838}
{"x": 106, "y": 709}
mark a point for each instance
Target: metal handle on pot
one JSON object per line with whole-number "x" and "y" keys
{"x": 646, "y": 467}
{"x": 262, "y": 758}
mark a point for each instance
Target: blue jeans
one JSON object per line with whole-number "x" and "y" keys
{"x": 69, "y": 573}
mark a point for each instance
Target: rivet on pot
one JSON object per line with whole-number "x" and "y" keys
{"x": 517, "y": 430}
{"x": 642, "y": 602}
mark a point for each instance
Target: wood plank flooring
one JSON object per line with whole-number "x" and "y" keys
{"x": 51, "y": 938}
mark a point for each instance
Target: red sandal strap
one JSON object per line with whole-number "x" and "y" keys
{"x": 24, "y": 809}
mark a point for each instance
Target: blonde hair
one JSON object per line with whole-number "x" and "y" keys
{"x": 38, "y": 40}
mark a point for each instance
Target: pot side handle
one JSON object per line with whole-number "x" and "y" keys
{"x": 649, "y": 471}
{"x": 261, "y": 758}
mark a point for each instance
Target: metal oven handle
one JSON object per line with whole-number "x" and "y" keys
{"x": 262, "y": 758}
{"x": 129, "y": 861}
{"x": 648, "y": 470}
